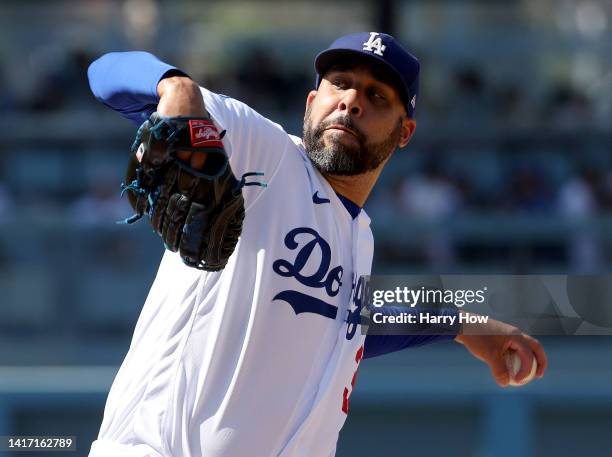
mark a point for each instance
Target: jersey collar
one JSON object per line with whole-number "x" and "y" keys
{"x": 350, "y": 206}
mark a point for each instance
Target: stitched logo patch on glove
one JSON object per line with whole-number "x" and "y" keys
{"x": 204, "y": 133}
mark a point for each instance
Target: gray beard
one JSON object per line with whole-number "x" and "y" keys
{"x": 339, "y": 159}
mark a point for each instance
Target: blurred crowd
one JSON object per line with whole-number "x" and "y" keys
{"x": 264, "y": 81}
{"x": 266, "y": 84}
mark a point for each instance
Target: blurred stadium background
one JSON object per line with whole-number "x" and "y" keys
{"x": 509, "y": 172}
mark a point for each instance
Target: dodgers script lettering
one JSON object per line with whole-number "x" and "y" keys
{"x": 306, "y": 241}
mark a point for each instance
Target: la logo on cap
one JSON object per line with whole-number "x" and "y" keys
{"x": 374, "y": 44}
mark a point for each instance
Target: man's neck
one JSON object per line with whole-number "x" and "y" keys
{"x": 355, "y": 188}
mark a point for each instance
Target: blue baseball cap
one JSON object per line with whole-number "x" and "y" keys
{"x": 382, "y": 49}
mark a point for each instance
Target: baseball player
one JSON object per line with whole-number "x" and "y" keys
{"x": 259, "y": 358}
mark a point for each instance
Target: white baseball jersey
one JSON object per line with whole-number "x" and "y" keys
{"x": 259, "y": 359}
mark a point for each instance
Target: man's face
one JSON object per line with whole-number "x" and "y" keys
{"x": 354, "y": 121}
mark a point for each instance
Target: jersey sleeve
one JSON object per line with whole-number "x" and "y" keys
{"x": 377, "y": 345}
{"x": 252, "y": 142}
{"x": 127, "y": 82}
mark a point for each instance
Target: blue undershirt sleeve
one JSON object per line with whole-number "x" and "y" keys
{"x": 376, "y": 345}
{"x": 127, "y": 82}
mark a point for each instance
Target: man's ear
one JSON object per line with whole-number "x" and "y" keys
{"x": 408, "y": 128}
{"x": 309, "y": 99}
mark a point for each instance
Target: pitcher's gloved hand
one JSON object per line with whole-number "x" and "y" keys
{"x": 197, "y": 212}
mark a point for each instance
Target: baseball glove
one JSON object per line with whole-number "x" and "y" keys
{"x": 197, "y": 212}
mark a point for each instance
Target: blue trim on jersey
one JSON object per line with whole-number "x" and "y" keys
{"x": 127, "y": 82}
{"x": 376, "y": 345}
{"x": 350, "y": 206}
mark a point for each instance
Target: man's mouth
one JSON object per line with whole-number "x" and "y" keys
{"x": 343, "y": 128}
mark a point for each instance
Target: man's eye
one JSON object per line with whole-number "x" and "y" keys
{"x": 378, "y": 95}
{"x": 339, "y": 83}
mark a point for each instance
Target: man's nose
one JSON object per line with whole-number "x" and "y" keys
{"x": 351, "y": 103}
